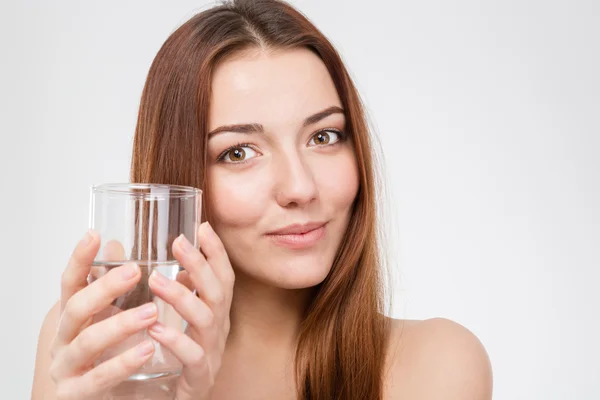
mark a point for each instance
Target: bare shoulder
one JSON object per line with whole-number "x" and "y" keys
{"x": 436, "y": 358}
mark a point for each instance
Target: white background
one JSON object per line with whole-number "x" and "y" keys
{"x": 489, "y": 114}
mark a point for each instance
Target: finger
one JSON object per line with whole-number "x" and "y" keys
{"x": 214, "y": 251}
{"x": 198, "y": 314}
{"x": 189, "y": 352}
{"x": 74, "y": 277}
{"x": 109, "y": 373}
{"x": 93, "y": 299}
{"x": 96, "y": 338}
{"x": 208, "y": 286}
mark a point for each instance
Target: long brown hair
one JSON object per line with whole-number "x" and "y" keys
{"x": 342, "y": 346}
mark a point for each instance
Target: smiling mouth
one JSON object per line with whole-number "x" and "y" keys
{"x": 302, "y": 238}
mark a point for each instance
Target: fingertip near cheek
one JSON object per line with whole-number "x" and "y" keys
{"x": 205, "y": 231}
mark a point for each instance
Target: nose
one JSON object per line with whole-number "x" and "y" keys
{"x": 295, "y": 183}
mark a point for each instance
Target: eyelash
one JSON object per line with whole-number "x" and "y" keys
{"x": 342, "y": 137}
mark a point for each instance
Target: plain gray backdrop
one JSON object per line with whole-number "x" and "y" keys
{"x": 489, "y": 117}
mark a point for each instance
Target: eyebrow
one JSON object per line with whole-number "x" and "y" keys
{"x": 257, "y": 128}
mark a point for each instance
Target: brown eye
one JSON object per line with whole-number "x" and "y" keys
{"x": 325, "y": 137}
{"x": 322, "y": 138}
{"x": 236, "y": 155}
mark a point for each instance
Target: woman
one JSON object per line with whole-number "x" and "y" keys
{"x": 249, "y": 101}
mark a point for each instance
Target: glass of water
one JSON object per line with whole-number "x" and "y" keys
{"x": 138, "y": 223}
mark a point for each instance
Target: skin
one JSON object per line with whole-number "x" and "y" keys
{"x": 245, "y": 323}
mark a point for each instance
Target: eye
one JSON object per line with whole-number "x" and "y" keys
{"x": 326, "y": 137}
{"x": 238, "y": 153}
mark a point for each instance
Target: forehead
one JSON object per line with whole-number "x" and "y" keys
{"x": 274, "y": 88}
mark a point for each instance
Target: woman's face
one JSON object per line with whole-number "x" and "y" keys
{"x": 278, "y": 156}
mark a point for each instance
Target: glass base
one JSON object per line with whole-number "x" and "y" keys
{"x": 149, "y": 376}
{"x": 149, "y": 387}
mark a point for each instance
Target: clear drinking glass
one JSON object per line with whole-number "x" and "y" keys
{"x": 138, "y": 223}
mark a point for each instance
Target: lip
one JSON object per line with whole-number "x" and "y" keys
{"x": 298, "y": 236}
{"x": 297, "y": 229}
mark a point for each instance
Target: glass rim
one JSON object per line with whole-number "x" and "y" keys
{"x": 127, "y": 189}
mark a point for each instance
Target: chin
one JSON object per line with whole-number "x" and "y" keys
{"x": 296, "y": 272}
{"x": 303, "y": 281}
{"x": 299, "y": 271}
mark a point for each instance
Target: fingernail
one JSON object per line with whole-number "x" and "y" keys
{"x": 145, "y": 348}
{"x": 184, "y": 244}
{"x": 159, "y": 278}
{"x": 147, "y": 311}
{"x": 130, "y": 270}
{"x": 205, "y": 229}
{"x": 87, "y": 238}
{"x": 157, "y": 328}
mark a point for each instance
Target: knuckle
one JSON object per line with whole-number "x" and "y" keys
{"x": 217, "y": 297}
{"x": 197, "y": 261}
{"x": 207, "y": 319}
{"x": 74, "y": 309}
{"x": 178, "y": 295}
{"x": 84, "y": 343}
{"x": 197, "y": 257}
{"x": 53, "y": 372}
{"x": 54, "y": 349}
{"x": 199, "y": 359}
{"x": 186, "y": 300}
{"x": 185, "y": 296}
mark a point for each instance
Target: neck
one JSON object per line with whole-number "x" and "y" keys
{"x": 264, "y": 316}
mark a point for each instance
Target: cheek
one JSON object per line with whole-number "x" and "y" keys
{"x": 338, "y": 181}
{"x": 236, "y": 199}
